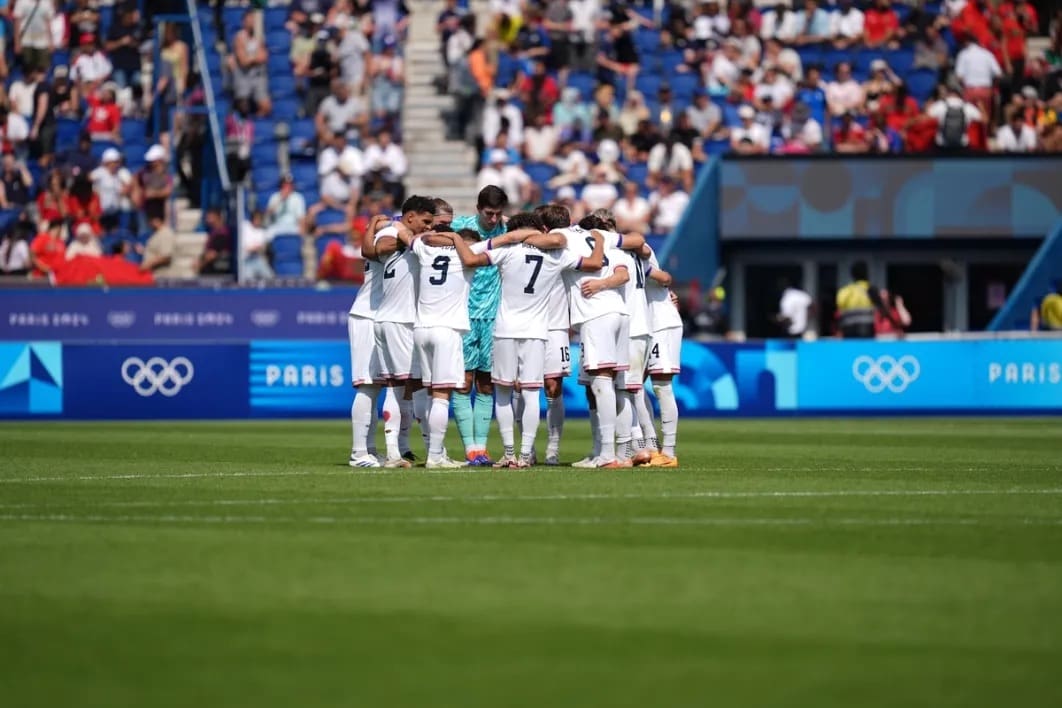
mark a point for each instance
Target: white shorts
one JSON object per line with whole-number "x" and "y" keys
{"x": 558, "y": 354}
{"x": 362, "y": 349}
{"x": 665, "y": 351}
{"x": 519, "y": 361}
{"x": 600, "y": 339}
{"x": 634, "y": 378}
{"x": 394, "y": 352}
{"x": 442, "y": 359}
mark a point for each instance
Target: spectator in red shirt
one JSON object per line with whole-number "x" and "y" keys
{"x": 52, "y": 201}
{"x": 83, "y": 204}
{"x": 971, "y": 22}
{"x": 104, "y": 116}
{"x": 881, "y": 26}
{"x": 539, "y": 92}
{"x": 899, "y": 108}
{"x": 849, "y": 136}
{"x": 48, "y": 250}
{"x": 342, "y": 261}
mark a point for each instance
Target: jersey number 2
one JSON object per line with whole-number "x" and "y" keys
{"x": 442, "y": 265}
{"x": 537, "y": 260}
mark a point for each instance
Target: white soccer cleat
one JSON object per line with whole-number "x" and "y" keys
{"x": 587, "y": 462}
{"x": 364, "y": 461}
{"x": 398, "y": 463}
{"x": 552, "y": 460}
{"x": 505, "y": 462}
{"x": 443, "y": 463}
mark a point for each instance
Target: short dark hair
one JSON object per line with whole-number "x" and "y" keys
{"x": 469, "y": 234}
{"x": 492, "y": 197}
{"x": 593, "y": 221}
{"x": 526, "y": 220}
{"x": 419, "y": 205}
{"x": 860, "y": 270}
{"x": 442, "y": 206}
{"x": 554, "y": 216}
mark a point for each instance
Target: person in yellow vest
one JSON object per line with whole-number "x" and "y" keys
{"x": 1049, "y": 315}
{"x": 857, "y": 303}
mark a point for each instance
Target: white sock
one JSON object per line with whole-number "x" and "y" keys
{"x": 518, "y": 410}
{"x": 554, "y": 423}
{"x": 624, "y": 421}
{"x": 420, "y": 412}
{"x": 405, "y": 407}
{"x": 438, "y": 417}
{"x": 392, "y": 416}
{"x": 665, "y": 395}
{"x": 605, "y": 392}
{"x": 361, "y": 417}
{"x": 644, "y": 410}
{"x": 503, "y": 411}
{"x": 595, "y": 433}
{"x": 529, "y": 421}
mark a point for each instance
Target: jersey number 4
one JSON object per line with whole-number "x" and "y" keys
{"x": 537, "y": 260}
{"x": 442, "y": 265}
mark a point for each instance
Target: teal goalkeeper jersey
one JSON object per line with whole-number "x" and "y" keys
{"x": 485, "y": 293}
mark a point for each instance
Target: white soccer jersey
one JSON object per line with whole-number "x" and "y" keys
{"x": 527, "y": 273}
{"x": 442, "y": 291}
{"x": 558, "y": 319}
{"x": 398, "y": 297}
{"x": 368, "y": 297}
{"x": 581, "y": 243}
{"x": 634, "y": 292}
{"x": 662, "y": 312}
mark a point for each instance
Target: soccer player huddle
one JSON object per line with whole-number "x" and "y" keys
{"x": 476, "y": 312}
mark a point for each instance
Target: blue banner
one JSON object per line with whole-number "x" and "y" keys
{"x": 312, "y": 378}
{"x": 168, "y": 315}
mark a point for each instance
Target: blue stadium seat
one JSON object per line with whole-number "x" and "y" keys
{"x": 717, "y": 147}
{"x": 901, "y": 60}
{"x": 646, "y": 40}
{"x": 265, "y": 177}
{"x": 301, "y": 129}
{"x": 638, "y": 172}
{"x": 286, "y": 109}
{"x": 231, "y": 17}
{"x": 275, "y": 17}
{"x": 583, "y": 81}
{"x": 133, "y": 131}
{"x": 278, "y": 40}
{"x": 920, "y": 83}
{"x": 262, "y": 155}
{"x": 263, "y": 130}
{"x": 67, "y": 132}
{"x": 287, "y": 254}
{"x": 322, "y": 243}
{"x": 330, "y": 217}
{"x": 683, "y": 86}
{"x": 648, "y": 84}
{"x": 7, "y": 218}
{"x": 279, "y": 64}
{"x": 540, "y": 172}
{"x": 60, "y": 57}
{"x": 670, "y": 61}
{"x": 98, "y": 146}
{"x": 305, "y": 175}
{"x": 106, "y": 18}
{"x": 282, "y": 85}
{"x": 134, "y": 155}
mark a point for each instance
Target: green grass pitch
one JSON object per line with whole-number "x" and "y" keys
{"x": 786, "y": 563}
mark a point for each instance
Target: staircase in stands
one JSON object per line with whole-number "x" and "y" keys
{"x": 437, "y": 167}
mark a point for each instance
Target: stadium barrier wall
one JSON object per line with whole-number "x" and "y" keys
{"x": 289, "y": 378}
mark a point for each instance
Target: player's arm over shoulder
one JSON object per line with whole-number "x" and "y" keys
{"x": 658, "y": 276}
{"x": 630, "y": 242}
{"x": 596, "y": 260}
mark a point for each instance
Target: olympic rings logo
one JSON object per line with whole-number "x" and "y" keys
{"x": 156, "y": 375}
{"x": 886, "y": 373}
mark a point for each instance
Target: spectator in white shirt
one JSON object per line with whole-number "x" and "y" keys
{"x": 285, "y": 209}
{"x": 338, "y": 148}
{"x": 844, "y": 94}
{"x": 92, "y": 66}
{"x": 85, "y": 243}
{"x": 670, "y": 158}
{"x": 501, "y": 108}
{"x": 254, "y": 240}
{"x": 340, "y": 187}
{"x": 668, "y": 204}
{"x": 704, "y": 115}
{"x": 750, "y": 138}
{"x": 32, "y": 32}
{"x": 387, "y": 159}
{"x": 600, "y": 193}
{"x": 710, "y": 22}
{"x": 725, "y": 68}
{"x": 803, "y": 130}
{"x": 340, "y": 111}
{"x": 781, "y": 24}
{"x": 540, "y": 140}
{"x": 632, "y": 210}
{"x": 846, "y": 25}
{"x": 114, "y": 186}
{"x": 511, "y": 178}
{"x": 572, "y": 166}
{"x": 774, "y": 86}
{"x": 795, "y": 309}
{"x": 953, "y": 116}
{"x": 978, "y": 71}
{"x": 21, "y": 95}
{"x": 1016, "y": 135}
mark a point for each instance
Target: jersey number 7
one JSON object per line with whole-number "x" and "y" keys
{"x": 537, "y": 260}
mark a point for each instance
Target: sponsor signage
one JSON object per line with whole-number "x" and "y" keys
{"x": 299, "y": 378}
{"x": 142, "y": 315}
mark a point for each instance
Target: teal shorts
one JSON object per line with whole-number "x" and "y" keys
{"x": 479, "y": 345}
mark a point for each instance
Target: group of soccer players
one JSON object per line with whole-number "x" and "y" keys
{"x": 475, "y": 312}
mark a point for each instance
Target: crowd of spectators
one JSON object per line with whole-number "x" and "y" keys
{"x": 84, "y": 194}
{"x": 577, "y": 95}
{"x": 339, "y": 91}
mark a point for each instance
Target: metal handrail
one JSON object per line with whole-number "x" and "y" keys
{"x": 208, "y": 92}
